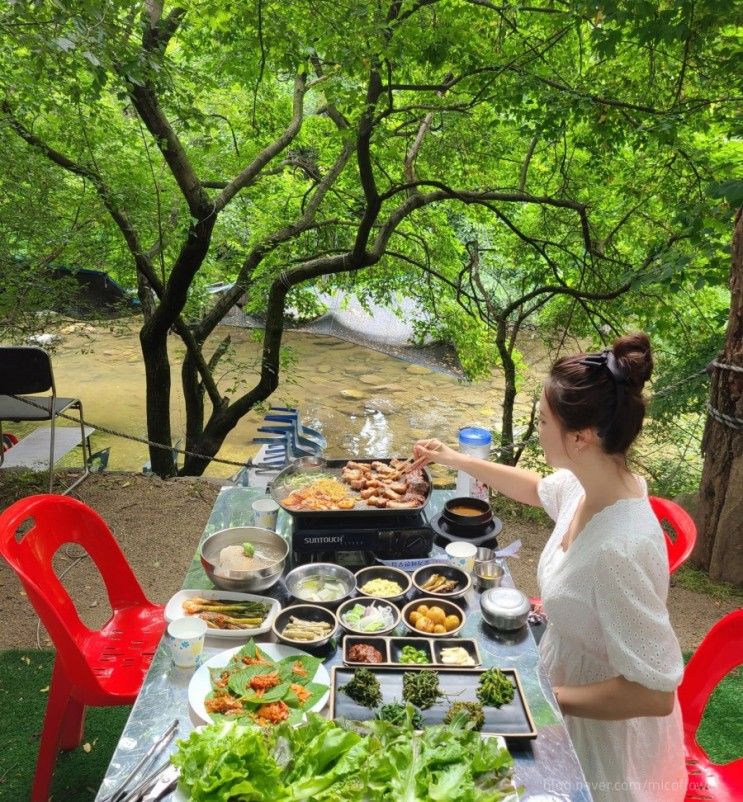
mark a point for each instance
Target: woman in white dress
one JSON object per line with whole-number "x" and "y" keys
{"x": 609, "y": 649}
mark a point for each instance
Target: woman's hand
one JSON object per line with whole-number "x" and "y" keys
{"x": 427, "y": 451}
{"x": 516, "y": 483}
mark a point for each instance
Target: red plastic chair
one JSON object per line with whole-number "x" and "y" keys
{"x": 719, "y": 653}
{"x": 99, "y": 668}
{"x": 677, "y": 518}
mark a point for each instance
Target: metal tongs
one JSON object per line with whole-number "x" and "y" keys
{"x": 165, "y": 782}
{"x": 156, "y": 785}
{"x": 121, "y": 794}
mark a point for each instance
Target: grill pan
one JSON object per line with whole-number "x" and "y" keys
{"x": 279, "y": 490}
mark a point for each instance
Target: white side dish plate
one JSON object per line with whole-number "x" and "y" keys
{"x": 174, "y": 609}
{"x": 200, "y": 685}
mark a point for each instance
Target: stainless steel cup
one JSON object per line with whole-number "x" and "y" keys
{"x": 486, "y": 567}
{"x": 488, "y": 574}
{"x": 484, "y": 553}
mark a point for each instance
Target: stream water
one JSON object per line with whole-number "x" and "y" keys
{"x": 366, "y": 403}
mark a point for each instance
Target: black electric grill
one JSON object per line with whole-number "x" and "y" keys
{"x": 387, "y": 533}
{"x": 397, "y": 534}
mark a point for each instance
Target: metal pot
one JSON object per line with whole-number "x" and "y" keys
{"x": 328, "y": 570}
{"x": 250, "y": 581}
{"x": 505, "y": 608}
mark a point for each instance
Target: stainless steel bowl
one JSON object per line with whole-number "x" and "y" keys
{"x": 329, "y": 570}
{"x": 447, "y": 570}
{"x": 505, "y": 608}
{"x": 383, "y": 572}
{"x": 261, "y": 579}
{"x": 307, "y": 612}
{"x": 447, "y": 606}
{"x": 365, "y": 601}
{"x": 310, "y": 462}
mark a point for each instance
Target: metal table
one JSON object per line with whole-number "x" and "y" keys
{"x": 547, "y": 767}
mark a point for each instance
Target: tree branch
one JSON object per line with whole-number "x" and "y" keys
{"x": 412, "y": 154}
{"x": 258, "y": 253}
{"x": 366, "y": 169}
{"x": 172, "y": 150}
{"x": 119, "y": 217}
{"x": 154, "y": 314}
{"x": 470, "y": 197}
{"x": 248, "y": 175}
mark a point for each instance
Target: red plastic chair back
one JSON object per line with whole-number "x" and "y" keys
{"x": 48, "y": 522}
{"x": 678, "y": 519}
{"x": 719, "y": 653}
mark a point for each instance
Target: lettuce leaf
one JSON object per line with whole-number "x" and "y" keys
{"x": 226, "y": 762}
{"x": 328, "y": 761}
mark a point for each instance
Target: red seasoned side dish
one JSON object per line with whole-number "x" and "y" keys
{"x": 364, "y": 653}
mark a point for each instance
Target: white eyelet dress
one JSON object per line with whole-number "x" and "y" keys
{"x": 605, "y": 600}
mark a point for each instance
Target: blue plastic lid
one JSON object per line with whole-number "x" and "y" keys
{"x": 475, "y": 436}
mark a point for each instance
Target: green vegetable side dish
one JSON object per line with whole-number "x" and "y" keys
{"x": 495, "y": 688}
{"x": 421, "y": 688}
{"x": 410, "y": 654}
{"x": 327, "y": 761}
{"x": 401, "y": 715}
{"x": 466, "y": 713}
{"x": 227, "y": 613}
{"x": 363, "y": 688}
{"x": 371, "y": 618}
{"x": 248, "y": 549}
{"x": 299, "y": 480}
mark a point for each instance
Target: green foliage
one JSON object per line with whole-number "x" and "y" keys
{"x": 606, "y": 137}
{"x": 720, "y": 733}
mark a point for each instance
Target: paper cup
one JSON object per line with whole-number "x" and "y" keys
{"x": 462, "y": 554}
{"x": 265, "y": 513}
{"x": 186, "y": 641}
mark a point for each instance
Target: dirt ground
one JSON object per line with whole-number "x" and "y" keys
{"x": 158, "y": 523}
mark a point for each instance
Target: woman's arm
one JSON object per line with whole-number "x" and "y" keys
{"x": 613, "y": 699}
{"x": 516, "y": 483}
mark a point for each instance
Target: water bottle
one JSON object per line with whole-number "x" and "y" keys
{"x": 474, "y": 441}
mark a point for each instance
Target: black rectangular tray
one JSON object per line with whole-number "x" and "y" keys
{"x": 513, "y": 721}
{"x": 333, "y": 467}
{"x": 390, "y": 647}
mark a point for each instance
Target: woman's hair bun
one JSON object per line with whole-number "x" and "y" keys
{"x": 635, "y": 357}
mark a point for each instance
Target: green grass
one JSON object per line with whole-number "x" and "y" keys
{"x": 721, "y": 731}
{"x": 24, "y": 681}
{"x": 696, "y": 580}
{"x": 17, "y": 483}
{"x": 24, "y": 676}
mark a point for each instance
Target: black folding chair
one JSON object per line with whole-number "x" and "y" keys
{"x": 25, "y": 370}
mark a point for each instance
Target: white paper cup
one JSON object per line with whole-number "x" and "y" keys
{"x": 265, "y": 513}
{"x": 462, "y": 554}
{"x": 186, "y": 641}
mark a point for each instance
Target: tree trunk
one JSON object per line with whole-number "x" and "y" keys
{"x": 509, "y": 396}
{"x": 223, "y": 420}
{"x": 719, "y": 548}
{"x": 193, "y": 394}
{"x": 157, "y": 376}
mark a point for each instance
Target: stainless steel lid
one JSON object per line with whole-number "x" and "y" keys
{"x": 505, "y": 602}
